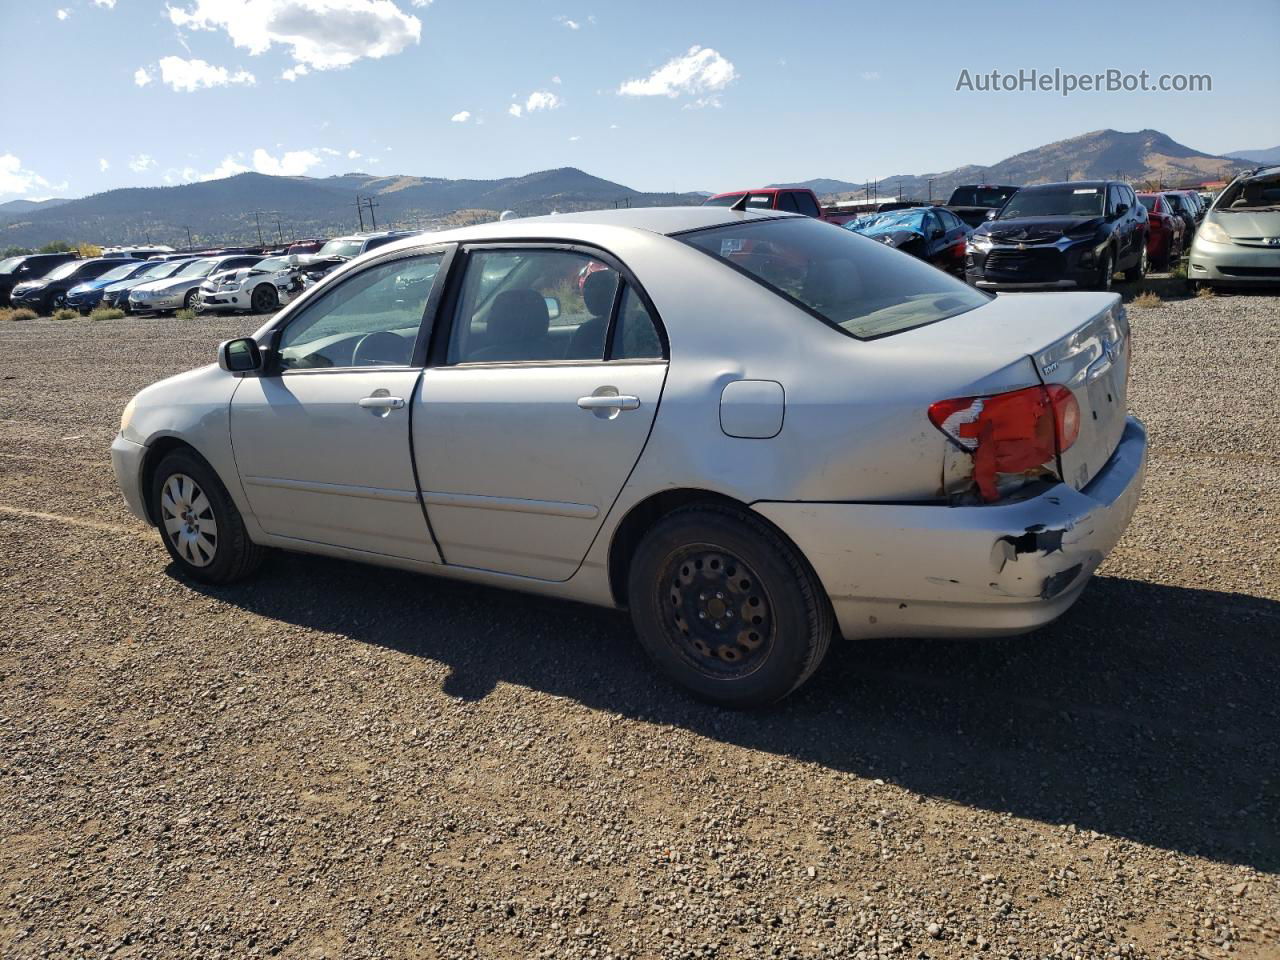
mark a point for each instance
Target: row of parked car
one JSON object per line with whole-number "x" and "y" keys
{"x": 159, "y": 280}
{"x": 1070, "y": 235}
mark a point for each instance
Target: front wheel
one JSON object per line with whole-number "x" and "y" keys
{"x": 199, "y": 523}
{"x": 727, "y": 608}
{"x": 1106, "y": 271}
{"x": 264, "y": 298}
{"x": 189, "y": 301}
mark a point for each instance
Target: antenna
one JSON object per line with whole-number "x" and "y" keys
{"x": 741, "y": 203}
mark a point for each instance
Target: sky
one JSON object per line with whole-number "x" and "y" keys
{"x": 656, "y": 95}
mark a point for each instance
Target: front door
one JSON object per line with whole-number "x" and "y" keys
{"x": 322, "y": 441}
{"x": 526, "y": 432}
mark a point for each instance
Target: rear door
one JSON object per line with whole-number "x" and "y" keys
{"x": 532, "y": 416}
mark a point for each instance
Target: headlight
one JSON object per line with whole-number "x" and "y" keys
{"x": 1212, "y": 233}
{"x": 127, "y": 415}
{"x": 980, "y": 242}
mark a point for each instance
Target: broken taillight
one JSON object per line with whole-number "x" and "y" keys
{"x": 1010, "y": 434}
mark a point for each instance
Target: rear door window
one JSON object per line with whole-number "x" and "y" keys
{"x": 787, "y": 202}
{"x": 806, "y": 205}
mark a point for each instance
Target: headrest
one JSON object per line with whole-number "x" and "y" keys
{"x": 598, "y": 291}
{"x": 518, "y": 315}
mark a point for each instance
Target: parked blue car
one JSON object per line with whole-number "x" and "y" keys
{"x": 85, "y": 296}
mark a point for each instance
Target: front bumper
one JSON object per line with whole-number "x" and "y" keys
{"x": 155, "y": 304}
{"x": 32, "y": 299}
{"x": 1034, "y": 266}
{"x": 84, "y": 301}
{"x": 126, "y": 460}
{"x": 895, "y": 570}
{"x": 1233, "y": 263}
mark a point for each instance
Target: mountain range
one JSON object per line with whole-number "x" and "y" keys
{"x": 1269, "y": 155}
{"x": 239, "y": 209}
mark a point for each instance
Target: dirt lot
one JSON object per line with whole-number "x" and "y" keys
{"x": 338, "y": 761}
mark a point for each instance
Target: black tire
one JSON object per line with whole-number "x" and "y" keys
{"x": 1106, "y": 271}
{"x": 1139, "y": 269}
{"x": 48, "y": 305}
{"x": 682, "y": 602}
{"x": 232, "y": 555}
{"x": 264, "y": 299}
{"x": 189, "y": 301}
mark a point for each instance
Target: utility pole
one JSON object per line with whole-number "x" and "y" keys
{"x": 931, "y": 190}
{"x": 189, "y": 243}
{"x": 279, "y": 232}
{"x": 360, "y": 212}
{"x": 371, "y": 203}
{"x": 257, "y": 215}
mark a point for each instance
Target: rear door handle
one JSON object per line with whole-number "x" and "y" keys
{"x": 382, "y": 403}
{"x": 609, "y": 402}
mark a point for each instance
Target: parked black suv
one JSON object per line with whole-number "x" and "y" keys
{"x": 1074, "y": 234}
{"x": 48, "y": 293}
{"x": 975, "y": 202}
{"x": 16, "y": 270}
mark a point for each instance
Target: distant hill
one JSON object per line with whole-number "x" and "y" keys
{"x": 1147, "y": 155}
{"x": 1271, "y": 155}
{"x": 230, "y": 210}
{"x": 822, "y": 186}
{"x": 18, "y": 207}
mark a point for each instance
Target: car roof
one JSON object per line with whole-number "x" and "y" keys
{"x": 1077, "y": 184}
{"x": 579, "y": 226}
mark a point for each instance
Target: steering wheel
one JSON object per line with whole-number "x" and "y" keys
{"x": 382, "y": 348}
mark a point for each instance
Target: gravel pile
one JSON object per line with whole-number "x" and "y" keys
{"x": 343, "y": 762}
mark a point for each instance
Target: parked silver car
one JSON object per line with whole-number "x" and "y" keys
{"x": 749, "y": 428}
{"x": 260, "y": 288}
{"x": 179, "y": 290}
{"x": 1238, "y": 242}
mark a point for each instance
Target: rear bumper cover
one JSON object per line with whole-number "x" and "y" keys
{"x": 895, "y": 570}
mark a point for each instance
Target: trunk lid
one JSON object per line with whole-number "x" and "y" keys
{"x": 1079, "y": 340}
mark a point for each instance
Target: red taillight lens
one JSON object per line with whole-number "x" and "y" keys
{"x": 1010, "y": 433}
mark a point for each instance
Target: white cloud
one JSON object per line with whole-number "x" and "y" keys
{"x": 556, "y": 78}
{"x": 292, "y": 164}
{"x": 515, "y": 110}
{"x": 142, "y": 162}
{"x": 229, "y": 167}
{"x": 462, "y": 116}
{"x": 141, "y": 77}
{"x": 320, "y": 34}
{"x": 700, "y": 71}
{"x": 293, "y": 73}
{"x": 190, "y": 75}
{"x": 870, "y": 75}
{"x": 541, "y": 100}
{"x": 571, "y": 24}
{"x": 103, "y": 164}
{"x": 63, "y": 14}
{"x": 353, "y": 154}
{"x": 574, "y": 139}
{"x": 107, "y": 4}
{"x": 15, "y": 179}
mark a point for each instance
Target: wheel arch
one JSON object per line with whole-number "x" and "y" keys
{"x": 157, "y": 450}
{"x": 643, "y": 516}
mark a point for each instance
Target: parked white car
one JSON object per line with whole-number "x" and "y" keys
{"x": 179, "y": 290}
{"x": 750, "y": 429}
{"x": 261, "y": 288}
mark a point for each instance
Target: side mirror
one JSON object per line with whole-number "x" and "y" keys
{"x": 240, "y": 356}
{"x": 991, "y": 214}
{"x": 938, "y": 233}
{"x": 553, "y": 307}
{"x": 1121, "y": 209}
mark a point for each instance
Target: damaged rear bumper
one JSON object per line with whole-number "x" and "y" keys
{"x": 894, "y": 570}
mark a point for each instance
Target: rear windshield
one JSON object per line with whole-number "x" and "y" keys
{"x": 853, "y": 283}
{"x": 981, "y": 196}
{"x": 757, "y": 201}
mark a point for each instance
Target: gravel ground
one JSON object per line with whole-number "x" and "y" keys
{"x": 338, "y": 761}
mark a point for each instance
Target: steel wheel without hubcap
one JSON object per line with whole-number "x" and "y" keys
{"x": 718, "y": 616}
{"x": 188, "y": 520}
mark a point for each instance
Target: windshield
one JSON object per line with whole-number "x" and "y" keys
{"x": 119, "y": 273}
{"x": 271, "y": 265}
{"x": 1055, "y": 202}
{"x": 981, "y": 196}
{"x": 165, "y": 268}
{"x": 9, "y": 265}
{"x": 1256, "y": 193}
{"x": 341, "y": 248}
{"x": 197, "y": 268}
{"x": 858, "y": 285}
{"x": 894, "y": 220}
{"x": 66, "y": 270}
{"x": 758, "y": 201}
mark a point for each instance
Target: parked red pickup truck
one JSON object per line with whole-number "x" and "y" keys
{"x": 790, "y": 199}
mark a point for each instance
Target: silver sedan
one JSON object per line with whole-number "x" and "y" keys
{"x": 754, "y": 430}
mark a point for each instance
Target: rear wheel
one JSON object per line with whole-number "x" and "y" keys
{"x": 199, "y": 523}
{"x": 727, "y": 608}
{"x": 189, "y": 301}
{"x": 1139, "y": 269}
{"x": 264, "y": 298}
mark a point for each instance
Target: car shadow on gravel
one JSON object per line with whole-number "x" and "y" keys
{"x": 1149, "y": 712}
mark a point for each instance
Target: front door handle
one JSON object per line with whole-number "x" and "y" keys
{"x": 609, "y": 401}
{"x": 382, "y": 403}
